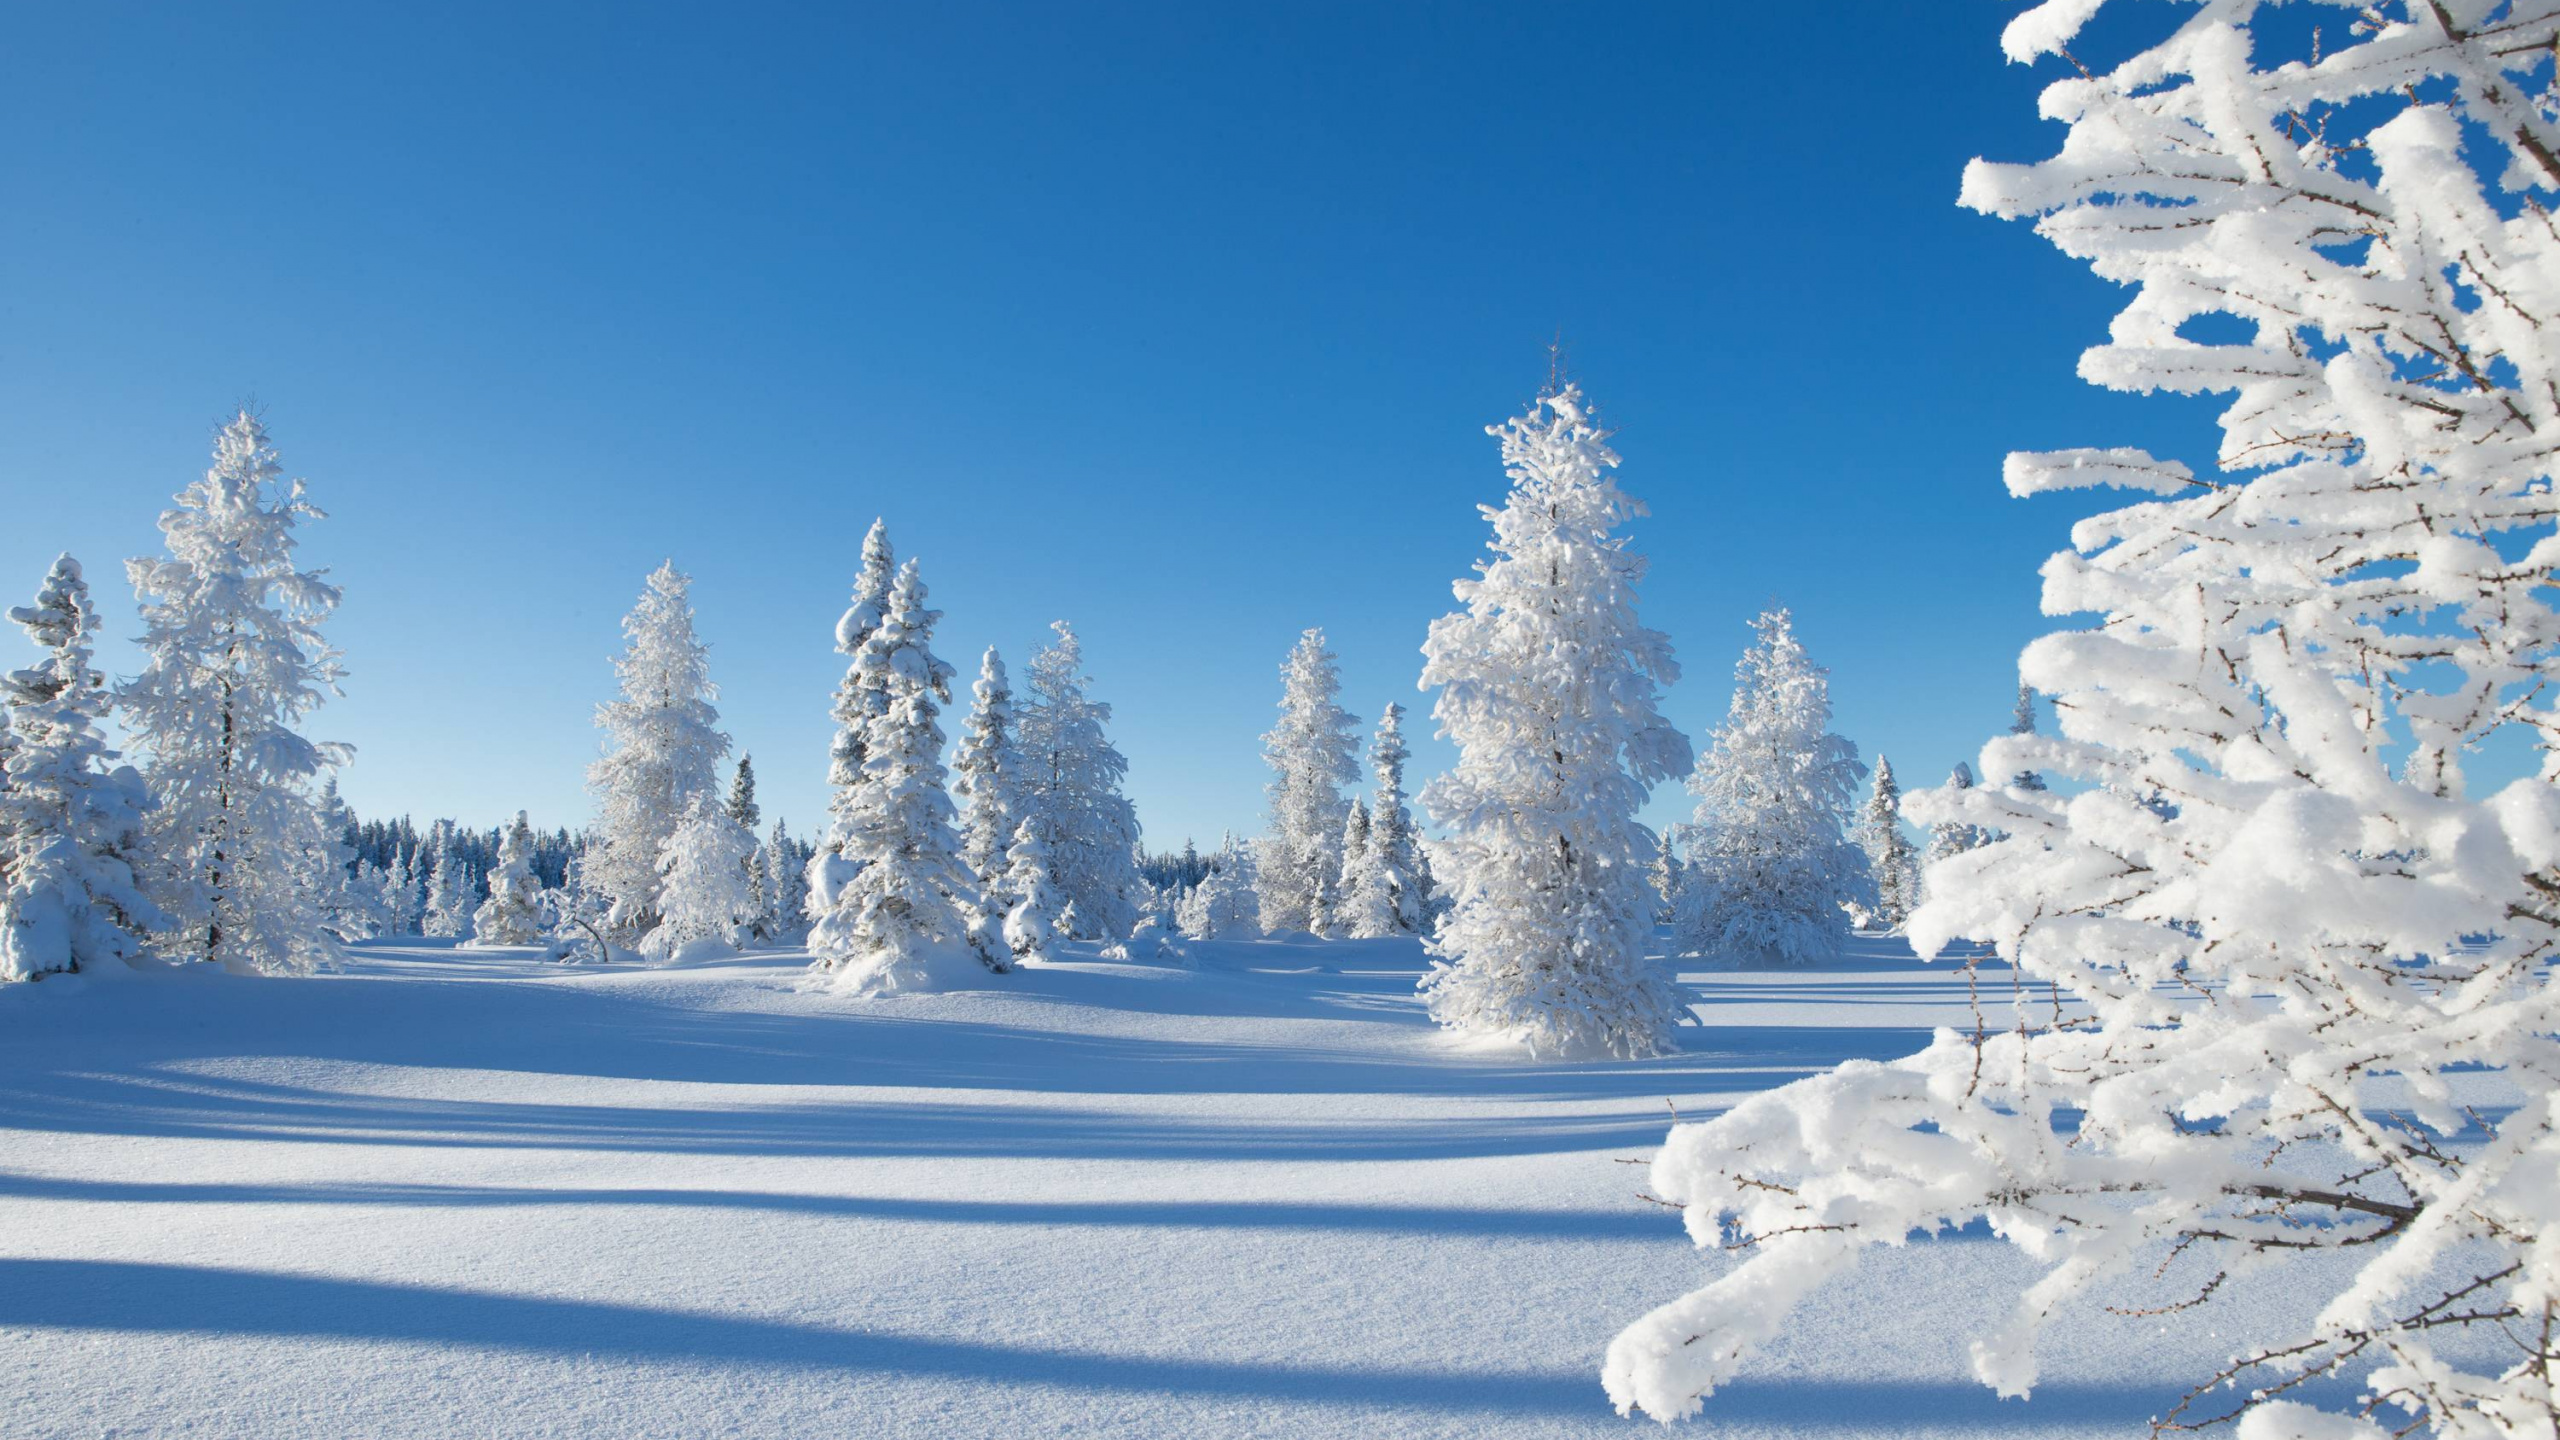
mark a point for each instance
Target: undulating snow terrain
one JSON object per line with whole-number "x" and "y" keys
{"x": 458, "y": 1192}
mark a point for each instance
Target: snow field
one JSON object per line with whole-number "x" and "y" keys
{"x": 463, "y": 1192}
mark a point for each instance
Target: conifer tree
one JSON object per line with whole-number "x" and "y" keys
{"x": 512, "y": 915}
{"x": 1666, "y": 873}
{"x": 1340, "y": 914}
{"x": 404, "y": 896}
{"x": 234, "y": 661}
{"x": 1548, "y": 684}
{"x": 1071, "y": 787}
{"x": 70, "y": 818}
{"x": 857, "y": 699}
{"x": 986, "y": 776}
{"x": 666, "y": 749}
{"x": 1891, "y": 861}
{"x": 785, "y": 859}
{"x": 763, "y": 919}
{"x": 910, "y": 903}
{"x": 1299, "y": 860}
{"x": 1224, "y": 905}
{"x": 702, "y": 883}
{"x": 742, "y": 795}
{"x": 1038, "y": 916}
{"x": 1772, "y": 872}
{"x": 1398, "y": 877}
{"x": 448, "y": 910}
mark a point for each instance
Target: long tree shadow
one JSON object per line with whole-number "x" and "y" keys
{"x": 131, "y": 1298}
{"x": 1138, "y": 1214}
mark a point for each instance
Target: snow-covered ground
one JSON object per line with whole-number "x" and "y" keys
{"x": 457, "y": 1193}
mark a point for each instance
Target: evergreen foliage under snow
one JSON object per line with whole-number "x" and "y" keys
{"x": 70, "y": 818}
{"x": 665, "y": 749}
{"x": 1071, "y": 788}
{"x": 2262, "y": 927}
{"x": 1772, "y": 874}
{"x": 234, "y": 661}
{"x": 1548, "y": 684}
{"x": 1299, "y": 862}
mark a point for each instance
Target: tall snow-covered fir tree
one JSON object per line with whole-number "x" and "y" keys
{"x": 1666, "y": 873}
{"x": 1224, "y": 905}
{"x": 449, "y": 906}
{"x": 512, "y": 915}
{"x": 742, "y": 795}
{"x": 1892, "y": 864}
{"x": 1311, "y": 754}
{"x": 1395, "y": 879}
{"x": 1033, "y": 921}
{"x": 858, "y": 700}
{"x": 987, "y": 778}
{"x": 1549, "y": 686}
{"x": 666, "y": 748}
{"x": 71, "y": 819}
{"x": 785, "y": 861}
{"x": 1772, "y": 872}
{"x": 2277, "y": 937}
{"x": 910, "y": 916}
{"x": 702, "y": 893}
{"x": 234, "y": 661}
{"x": 1071, "y": 787}
{"x": 1346, "y": 911}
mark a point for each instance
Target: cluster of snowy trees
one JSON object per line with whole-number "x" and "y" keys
{"x": 217, "y": 847}
{"x": 928, "y": 872}
{"x": 2285, "y": 993}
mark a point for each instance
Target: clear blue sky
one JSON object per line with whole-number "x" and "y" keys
{"x": 1180, "y": 321}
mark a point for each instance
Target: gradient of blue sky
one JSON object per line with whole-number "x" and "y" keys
{"x": 1182, "y": 321}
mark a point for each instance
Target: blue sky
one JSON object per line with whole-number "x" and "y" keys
{"x": 1180, "y": 321}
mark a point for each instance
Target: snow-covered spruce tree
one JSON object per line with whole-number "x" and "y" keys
{"x": 1666, "y": 872}
{"x": 742, "y": 795}
{"x": 666, "y": 749}
{"x": 1033, "y": 923}
{"x": 1548, "y": 684}
{"x": 1771, "y": 870}
{"x": 785, "y": 859}
{"x": 233, "y": 661}
{"x": 449, "y": 907}
{"x": 857, "y": 700}
{"x": 351, "y": 900}
{"x": 404, "y": 896}
{"x": 1071, "y": 787}
{"x": 512, "y": 915}
{"x": 70, "y": 818}
{"x": 1397, "y": 878}
{"x": 763, "y": 920}
{"x": 2287, "y": 933}
{"x": 1311, "y": 754}
{"x": 1891, "y": 862}
{"x": 1344, "y": 910}
{"x": 2024, "y": 723}
{"x": 702, "y": 891}
{"x": 910, "y": 916}
{"x": 986, "y": 776}
{"x": 1224, "y": 905}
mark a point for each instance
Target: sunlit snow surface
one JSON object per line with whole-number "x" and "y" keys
{"x": 459, "y": 1193}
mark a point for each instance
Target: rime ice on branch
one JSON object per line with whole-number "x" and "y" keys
{"x": 2278, "y": 918}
